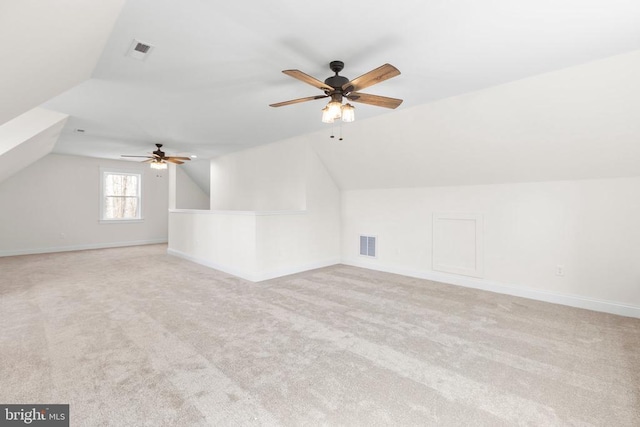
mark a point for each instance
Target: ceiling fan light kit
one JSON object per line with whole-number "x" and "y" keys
{"x": 339, "y": 87}
{"x": 336, "y": 111}
{"x": 160, "y": 165}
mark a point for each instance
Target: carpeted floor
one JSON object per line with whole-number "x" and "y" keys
{"x": 134, "y": 337}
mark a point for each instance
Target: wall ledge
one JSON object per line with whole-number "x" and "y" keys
{"x": 249, "y": 213}
{"x": 35, "y": 251}
{"x": 509, "y": 289}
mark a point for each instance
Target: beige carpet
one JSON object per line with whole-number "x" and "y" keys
{"x": 133, "y": 337}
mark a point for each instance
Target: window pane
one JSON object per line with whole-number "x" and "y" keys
{"x": 121, "y": 185}
{"x": 131, "y": 208}
{"x": 130, "y": 185}
{"x": 120, "y": 207}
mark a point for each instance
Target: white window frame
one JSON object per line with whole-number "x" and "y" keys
{"x": 111, "y": 171}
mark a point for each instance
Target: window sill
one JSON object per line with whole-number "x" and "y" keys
{"x": 120, "y": 221}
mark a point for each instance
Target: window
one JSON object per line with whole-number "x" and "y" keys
{"x": 121, "y": 196}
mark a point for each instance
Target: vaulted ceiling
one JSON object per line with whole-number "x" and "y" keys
{"x": 215, "y": 66}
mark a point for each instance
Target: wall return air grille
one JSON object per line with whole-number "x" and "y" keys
{"x": 368, "y": 246}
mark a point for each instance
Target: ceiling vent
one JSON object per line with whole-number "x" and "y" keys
{"x": 139, "y": 50}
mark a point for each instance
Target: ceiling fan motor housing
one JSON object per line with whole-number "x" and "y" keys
{"x": 336, "y": 81}
{"x": 159, "y": 152}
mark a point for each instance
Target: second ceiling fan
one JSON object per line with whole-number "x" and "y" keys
{"x": 158, "y": 159}
{"x": 338, "y": 87}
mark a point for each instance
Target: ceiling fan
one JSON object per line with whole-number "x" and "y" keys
{"x": 338, "y": 87}
{"x": 158, "y": 159}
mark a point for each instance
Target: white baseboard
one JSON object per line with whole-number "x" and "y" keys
{"x": 501, "y": 288}
{"x": 81, "y": 247}
{"x": 210, "y": 264}
{"x": 273, "y": 274}
{"x": 254, "y": 276}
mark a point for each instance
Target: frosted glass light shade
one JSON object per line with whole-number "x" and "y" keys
{"x": 326, "y": 116}
{"x": 335, "y": 109}
{"x": 348, "y": 113}
{"x": 158, "y": 165}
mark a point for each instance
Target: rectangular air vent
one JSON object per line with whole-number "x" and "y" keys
{"x": 368, "y": 246}
{"x": 139, "y": 50}
{"x": 144, "y": 48}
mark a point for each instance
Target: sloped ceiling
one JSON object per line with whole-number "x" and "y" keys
{"x": 48, "y": 47}
{"x": 576, "y": 123}
{"x": 28, "y": 138}
{"x": 215, "y": 67}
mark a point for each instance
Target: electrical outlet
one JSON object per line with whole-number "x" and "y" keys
{"x": 560, "y": 270}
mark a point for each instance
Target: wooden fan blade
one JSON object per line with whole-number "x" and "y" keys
{"x": 380, "y": 74}
{"x": 170, "y": 160}
{"x": 377, "y": 100}
{"x": 149, "y": 161}
{"x": 295, "y": 101}
{"x": 306, "y": 78}
{"x": 148, "y": 157}
{"x": 177, "y": 158}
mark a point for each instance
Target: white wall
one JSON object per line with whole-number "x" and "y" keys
{"x": 291, "y": 199}
{"x": 590, "y": 227}
{"x": 188, "y": 194}
{"x": 288, "y": 243}
{"x": 222, "y": 240}
{"x": 265, "y": 178}
{"x": 54, "y": 205}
